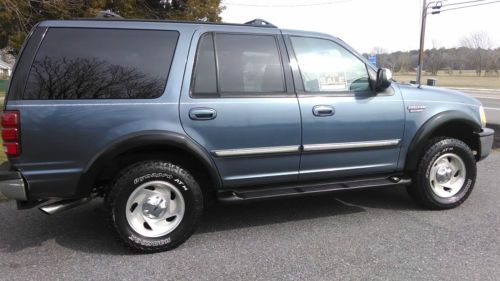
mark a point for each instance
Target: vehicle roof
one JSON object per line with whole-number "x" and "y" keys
{"x": 115, "y": 22}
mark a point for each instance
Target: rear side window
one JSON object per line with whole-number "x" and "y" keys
{"x": 205, "y": 84}
{"x": 86, "y": 63}
{"x": 237, "y": 65}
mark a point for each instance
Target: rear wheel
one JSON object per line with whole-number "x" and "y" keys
{"x": 445, "y": 175}
{"x": 154, "y": 206}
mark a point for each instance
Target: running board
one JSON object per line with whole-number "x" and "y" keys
{"x": 301, "y": 189}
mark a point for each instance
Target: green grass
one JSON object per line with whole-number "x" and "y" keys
{"x": 467, "y": 79}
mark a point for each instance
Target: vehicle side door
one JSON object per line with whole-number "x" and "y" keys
{"x": 238, "y": 102}
{"x": 347, "y": 128}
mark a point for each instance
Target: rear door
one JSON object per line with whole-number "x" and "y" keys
{"x": 239, "y": 103}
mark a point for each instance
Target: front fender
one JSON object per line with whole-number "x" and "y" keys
{"x": 419, "y": 141}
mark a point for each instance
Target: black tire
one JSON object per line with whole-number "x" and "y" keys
{"x": 421, "y": 190}
{"x": 131, "y": 178}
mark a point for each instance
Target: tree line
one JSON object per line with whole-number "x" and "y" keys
{"x": 475, "y": 53}
{"x": 17, "y": 17}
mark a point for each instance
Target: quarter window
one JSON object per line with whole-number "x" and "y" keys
{"x": 238, "y": 65}
{"x": 326, "y": 66}
{"x": 87, "y": 63}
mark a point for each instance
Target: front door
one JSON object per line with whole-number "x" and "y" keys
{"x": 348, "y": 129}
{"x": 238, "y": 102}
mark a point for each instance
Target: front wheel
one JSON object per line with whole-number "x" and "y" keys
{"x": 445, "y": 175}
{"x": 154, "y": 206}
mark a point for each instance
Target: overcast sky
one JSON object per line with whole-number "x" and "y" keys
{"x": 364, "y": 24}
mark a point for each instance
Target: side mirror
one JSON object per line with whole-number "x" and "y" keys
{"x": 383, "y": 81}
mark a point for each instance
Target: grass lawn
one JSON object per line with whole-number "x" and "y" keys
{"x": 467, "y": 79}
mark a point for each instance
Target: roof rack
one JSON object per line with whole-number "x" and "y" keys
{"x": 261, "y": 23}
{"x": 110, "y": 16}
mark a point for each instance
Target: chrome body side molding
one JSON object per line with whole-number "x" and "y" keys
{"x": 349, "y": 145}
{"x": 256, "y": 151}
{"x": 238, "y": 152}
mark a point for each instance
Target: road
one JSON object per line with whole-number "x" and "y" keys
{"x": 376, "y": 234}
{"x": 491, "y": 104}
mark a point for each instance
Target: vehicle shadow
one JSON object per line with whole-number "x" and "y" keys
{"x": 85, "y": 228}
{"x": 229, "y": 217}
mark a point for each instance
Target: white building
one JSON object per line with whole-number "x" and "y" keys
{"x": 5, "y": 69}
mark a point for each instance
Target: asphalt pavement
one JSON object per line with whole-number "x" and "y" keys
{"x": 491, "y": 103}
{"x": 377, "y": 234}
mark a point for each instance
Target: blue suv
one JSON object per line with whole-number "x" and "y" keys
{"x": 161, "y": 118}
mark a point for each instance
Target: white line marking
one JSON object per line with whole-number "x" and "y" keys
{"x": 485, "y": 97}
{"x": 491, "y": 108}
{"x": 476, "y": 89}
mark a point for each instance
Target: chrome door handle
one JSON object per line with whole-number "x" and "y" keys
{"x": 323, "y": 110}
{"x": 202, "y": 114}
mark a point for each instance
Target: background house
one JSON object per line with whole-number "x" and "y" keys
{"x": 5, "y": 70}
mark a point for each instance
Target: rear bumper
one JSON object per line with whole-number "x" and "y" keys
{"x": 486, "y": 137}
{"x": 12, "y": 185}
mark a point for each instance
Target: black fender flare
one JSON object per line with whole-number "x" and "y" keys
{"x": 143, "y": 139}
{"x": 430, "y": 126}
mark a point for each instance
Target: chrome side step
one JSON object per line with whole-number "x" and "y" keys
{"x": 60, "y": 206}
{"x": 306, "y": 188}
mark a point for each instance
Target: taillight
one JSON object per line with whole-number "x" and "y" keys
{"x": 10, "y": 133}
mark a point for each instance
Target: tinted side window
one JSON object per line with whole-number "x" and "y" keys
{"x": 326, "y": 66}
{"x": 205, "y": 78}
{"x": 248, "y": 64}
{"x": 86, "y": 63}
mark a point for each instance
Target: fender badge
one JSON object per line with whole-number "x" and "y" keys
{"x": 416, "y": 108}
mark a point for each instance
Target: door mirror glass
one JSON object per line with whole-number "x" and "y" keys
{"x": 384, "y": 78}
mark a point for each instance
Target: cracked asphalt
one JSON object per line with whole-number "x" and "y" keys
{"x": 376, "y": 234}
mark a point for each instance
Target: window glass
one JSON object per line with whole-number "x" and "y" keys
{"x": 327, "y": 66}
{"x": 248, "y": 64}
{"x": 205, "y": 77}
{"x": 86, "y": 63}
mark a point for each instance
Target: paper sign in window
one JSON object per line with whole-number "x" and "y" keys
{"x": 332, "y": 81}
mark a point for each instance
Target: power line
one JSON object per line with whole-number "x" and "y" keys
{"x": 463, "y": 7}
{"x": 287, "y": 5}
{"x": 479, "y": 4}
{"x": 461, "y": 3}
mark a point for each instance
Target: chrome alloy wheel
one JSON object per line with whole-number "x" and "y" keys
{"x": 155, "y": 209}
{"x": 447, "y": 175}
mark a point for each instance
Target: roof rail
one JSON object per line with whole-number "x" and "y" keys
{"x": 261, "y": 22}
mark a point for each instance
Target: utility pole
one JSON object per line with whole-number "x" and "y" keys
{"x": 437, "y": 5}
{"x": 421, "y": 51}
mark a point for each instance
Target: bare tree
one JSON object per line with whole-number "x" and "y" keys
{"x": 433, "y": 60}
{"x": 403, "y": 62}
{"x": 479, "y": 41}
{"x": 63, "y": 78}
